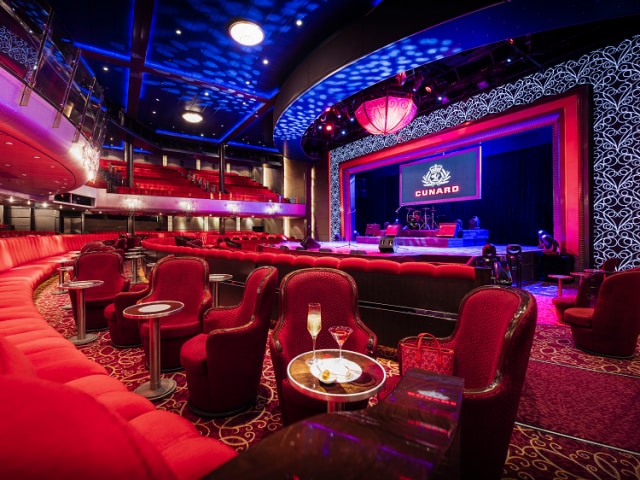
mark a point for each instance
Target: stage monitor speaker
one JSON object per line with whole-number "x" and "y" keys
{"x": 387, "y": 244}
{"x": 309, "y": 242}
{"x": 448, "y": 230}
{"x": 393, "y": 229}
{"x": 372, "y": 229}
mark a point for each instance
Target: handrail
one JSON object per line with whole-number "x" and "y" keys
{"x": 34, "y": 52}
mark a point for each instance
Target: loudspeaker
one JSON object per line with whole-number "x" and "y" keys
{"x": 448, "y": 230}
{"x": 309, "y": 242}
{"x": 393, "y": 229}
{"x": 387, "y": 245}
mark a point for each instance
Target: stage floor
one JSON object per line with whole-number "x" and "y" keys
{"x": 426, "y": 253}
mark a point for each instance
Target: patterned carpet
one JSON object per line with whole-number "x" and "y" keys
{"x": 548, "y": 442}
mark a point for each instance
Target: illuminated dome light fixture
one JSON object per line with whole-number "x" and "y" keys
{"x": 246, "y": 33}
{"x": 385, "y": 115}
{"x": 192, "y": 117}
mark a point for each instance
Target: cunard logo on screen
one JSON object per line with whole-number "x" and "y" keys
{"x": 434, "y": 179}
{"x": 436, "y": 176}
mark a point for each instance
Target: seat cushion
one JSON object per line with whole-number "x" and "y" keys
{"x": 579, "y": 316}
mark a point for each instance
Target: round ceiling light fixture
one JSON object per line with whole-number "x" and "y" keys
{"x": 192, "y": 117}
{"x": 246, "y": 33}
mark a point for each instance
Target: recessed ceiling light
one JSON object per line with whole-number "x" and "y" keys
{"x": 192, "y": 117}
{"x": 246, "y": 33}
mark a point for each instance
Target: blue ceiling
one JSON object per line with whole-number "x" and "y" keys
{"x": 155, "y": 59}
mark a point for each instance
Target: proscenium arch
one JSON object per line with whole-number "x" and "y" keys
{"x": 566, "y": 114}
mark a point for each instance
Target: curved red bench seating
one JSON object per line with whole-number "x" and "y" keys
{"x": 54, "y": 396}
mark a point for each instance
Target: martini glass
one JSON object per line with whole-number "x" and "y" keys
{"x": 314, "y": 325}
{"x": 340, "y": 334}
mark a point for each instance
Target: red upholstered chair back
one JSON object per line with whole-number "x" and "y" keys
{"x": 337, "y": 293}
{"x": 101, "y": 265}
{"x": 492, "y": 343}
{"x": 92, "y": 247}
{"x": 235, "y": 338}
{"x": 185, "y": 279}
{"x": 610, "y": 264}
{"x": 616, "y": 316}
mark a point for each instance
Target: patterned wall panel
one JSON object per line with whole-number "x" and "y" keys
{"x": 614, "y": 75}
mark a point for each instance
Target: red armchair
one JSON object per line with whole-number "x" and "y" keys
{"x": 185, "y": 279}
{"x": 337, "y": 292}
{"x": 581, "y": 297}
{"x": 224, "y": 364}
{"x": 99, "y": 265}
{"x": 587, "y": 289}
{"x": 492, "y": 343}
{"x": 125, "y": 332}
{"x": 611, "y": 328}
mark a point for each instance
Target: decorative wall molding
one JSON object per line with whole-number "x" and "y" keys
{"x": 614, "y": 76}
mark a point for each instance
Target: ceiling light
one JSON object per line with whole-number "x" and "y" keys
{"x": 246, "y": 33}
{"x": 192, "y": 117}
{"x": 386, "y": 115}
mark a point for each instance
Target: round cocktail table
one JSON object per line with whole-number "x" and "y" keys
{"x": 156, "y": 387}
{"x": 359, "y": 377}
{"x": 560, "y": 279}
{"x": 82, "y": 337}
{"x": 214, "y": 280}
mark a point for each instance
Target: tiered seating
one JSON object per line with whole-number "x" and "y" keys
{"x": 180, "y": 182}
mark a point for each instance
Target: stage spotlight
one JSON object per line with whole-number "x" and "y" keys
{"x": 309, "y": 242}
{"x": 547, "y": 243}
{"x": 541, "y": 233}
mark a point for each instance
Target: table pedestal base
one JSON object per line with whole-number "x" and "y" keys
{"x": 59, "y": 291}
{"x": 166, "y": 387}
{"x": 87, "y": 338}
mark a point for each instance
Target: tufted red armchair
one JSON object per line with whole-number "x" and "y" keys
{"x": 337, "y": 293}
{"x": 185, "y": 279}
{"x": 611, "y": 328}
{"x": 98, "y": 265}
{"x": 224, "y": 364}
{"x": 492, "y": 343}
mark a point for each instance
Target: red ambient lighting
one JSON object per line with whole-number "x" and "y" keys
{"x": 386, "y": 115}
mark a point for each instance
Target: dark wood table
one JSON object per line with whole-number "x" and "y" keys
{"x": 357, "y": 377}
{"x": 412, "y": 433}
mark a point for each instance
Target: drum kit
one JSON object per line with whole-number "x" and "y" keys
{"x": 421, "y": 219}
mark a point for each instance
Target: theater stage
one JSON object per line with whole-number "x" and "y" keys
{"x": 409, "y": 249}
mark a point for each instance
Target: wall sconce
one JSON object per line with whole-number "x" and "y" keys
{"x": 233, "y": 207}
{"x": 131, "y": 204}
{"x": 272, "y": 209}
{"x": 188, "y": 207}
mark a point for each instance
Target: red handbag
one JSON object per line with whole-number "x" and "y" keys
{"x": 425, "y": 352}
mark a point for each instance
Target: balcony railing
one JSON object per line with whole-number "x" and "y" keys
{"x": 35, "y": 48}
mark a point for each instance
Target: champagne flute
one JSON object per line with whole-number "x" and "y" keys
{"x": 340, "y": 333}
{"x": 314, "y": 324}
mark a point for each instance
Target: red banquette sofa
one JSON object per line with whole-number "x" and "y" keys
{"x": 63, "y": 415}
